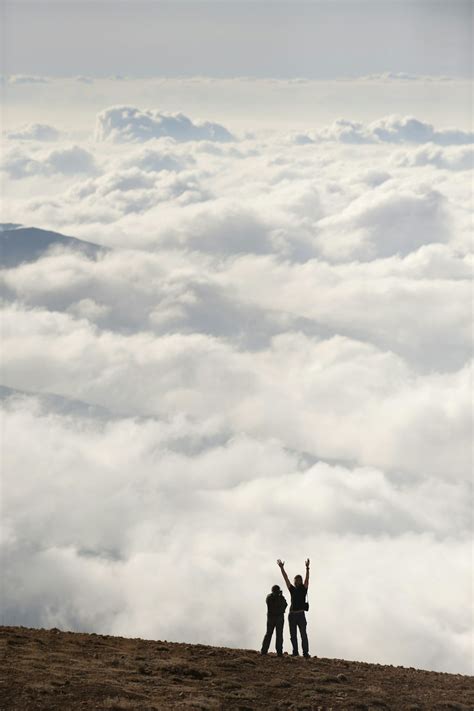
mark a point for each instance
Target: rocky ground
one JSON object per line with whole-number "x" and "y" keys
{"x": 57, "y": 671}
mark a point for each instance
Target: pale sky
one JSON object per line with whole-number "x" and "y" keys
{"x": 314, "y": 39}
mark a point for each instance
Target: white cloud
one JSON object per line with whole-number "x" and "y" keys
{"x": 115, "y": 194}
{"x": 27, "y": 79}
{"x": 127, "y": 123}
{"x": 155, "y": 160}
{"x": 243, "y": 104}
{"x": 450, "y": 158}
{"x": 394, "y": 129}
{"x": 280, "y": 333}
{"x": 389, "y": 129}
{"x": 35, "y": 132}
{"x": 403, "y": 77}
{"x": 71, "y": 160}
{"x": 129, "y": 510}
{"x": 384, "y": 223}
{"x": 84, "y": 79}
{"x": 142, "y": 373}
{"x": 373, "y": 303}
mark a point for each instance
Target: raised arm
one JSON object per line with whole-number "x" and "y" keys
{"x": 281, "y": 564}
{"x": 306, "y": 580}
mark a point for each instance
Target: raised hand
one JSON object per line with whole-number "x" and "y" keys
{"x": 281, "y": 563}
{"x": 307, "y": 562}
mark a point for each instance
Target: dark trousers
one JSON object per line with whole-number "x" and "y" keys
{"x": 274, "y": 622}
{"x": 297, "y": 621}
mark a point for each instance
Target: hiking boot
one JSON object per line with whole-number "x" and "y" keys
{"x": 307, "y": 656}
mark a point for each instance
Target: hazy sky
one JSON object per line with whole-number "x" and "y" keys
{"x": 316, "y": 39}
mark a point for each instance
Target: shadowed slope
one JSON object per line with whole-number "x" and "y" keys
{"x": 57, "y": 671}
{"x": 27, "y": 244}
{"x": 57, "y": 404}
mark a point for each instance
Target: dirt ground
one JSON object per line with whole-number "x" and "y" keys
{"x": 57, "y": 671}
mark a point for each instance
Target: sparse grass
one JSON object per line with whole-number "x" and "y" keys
{"x": 326, "y": 679}
{"x": 118, "y": 704}
{"x": 54, "y": 671}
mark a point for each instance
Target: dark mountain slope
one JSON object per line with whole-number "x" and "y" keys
{"x": 60, "y": 671}
{"x": 27, "y": 244}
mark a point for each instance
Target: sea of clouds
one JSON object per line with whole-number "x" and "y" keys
{"x": 268, "y": 358}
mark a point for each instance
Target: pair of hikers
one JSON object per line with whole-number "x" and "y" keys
{"x": 276, "y": 606}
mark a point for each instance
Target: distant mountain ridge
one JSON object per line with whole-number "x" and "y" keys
{"x": 19, "y": 245}
{"x": 4, "y": 226}
{"x": 57, "y": 404}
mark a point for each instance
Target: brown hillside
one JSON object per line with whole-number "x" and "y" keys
{"x": 58, "y": 671}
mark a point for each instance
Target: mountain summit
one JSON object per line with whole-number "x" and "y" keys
{"x": 50, "y": 670}
{"x": 27, "y": 244}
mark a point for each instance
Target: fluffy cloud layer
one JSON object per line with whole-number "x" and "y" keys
{"x": 127, "y": 123}
{"x": 35, "y": 132}
{"x": 14, "y": 79}
{"x": 17, "y": 163}
{"x": 450, "y": 158}
{"x": 271, "y": 359}
{"x": 390, "y": 129}
{"x": 148, "y": 519}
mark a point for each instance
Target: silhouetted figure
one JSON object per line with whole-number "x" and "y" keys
{"x": 276, "y": 606}
{"x": 296, "y": 616}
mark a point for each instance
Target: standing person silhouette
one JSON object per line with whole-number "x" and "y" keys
{"x": 296, "y": 616}
{"x": 276, "y": 606}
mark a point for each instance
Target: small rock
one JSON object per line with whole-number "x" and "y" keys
{"x": 143, "y": 669}
{"x": 280, "y": 684}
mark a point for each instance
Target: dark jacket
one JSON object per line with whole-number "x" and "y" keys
{"x": 276, "y": 604}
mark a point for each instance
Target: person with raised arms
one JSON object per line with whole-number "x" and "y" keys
{"x": 299, "y": 606}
